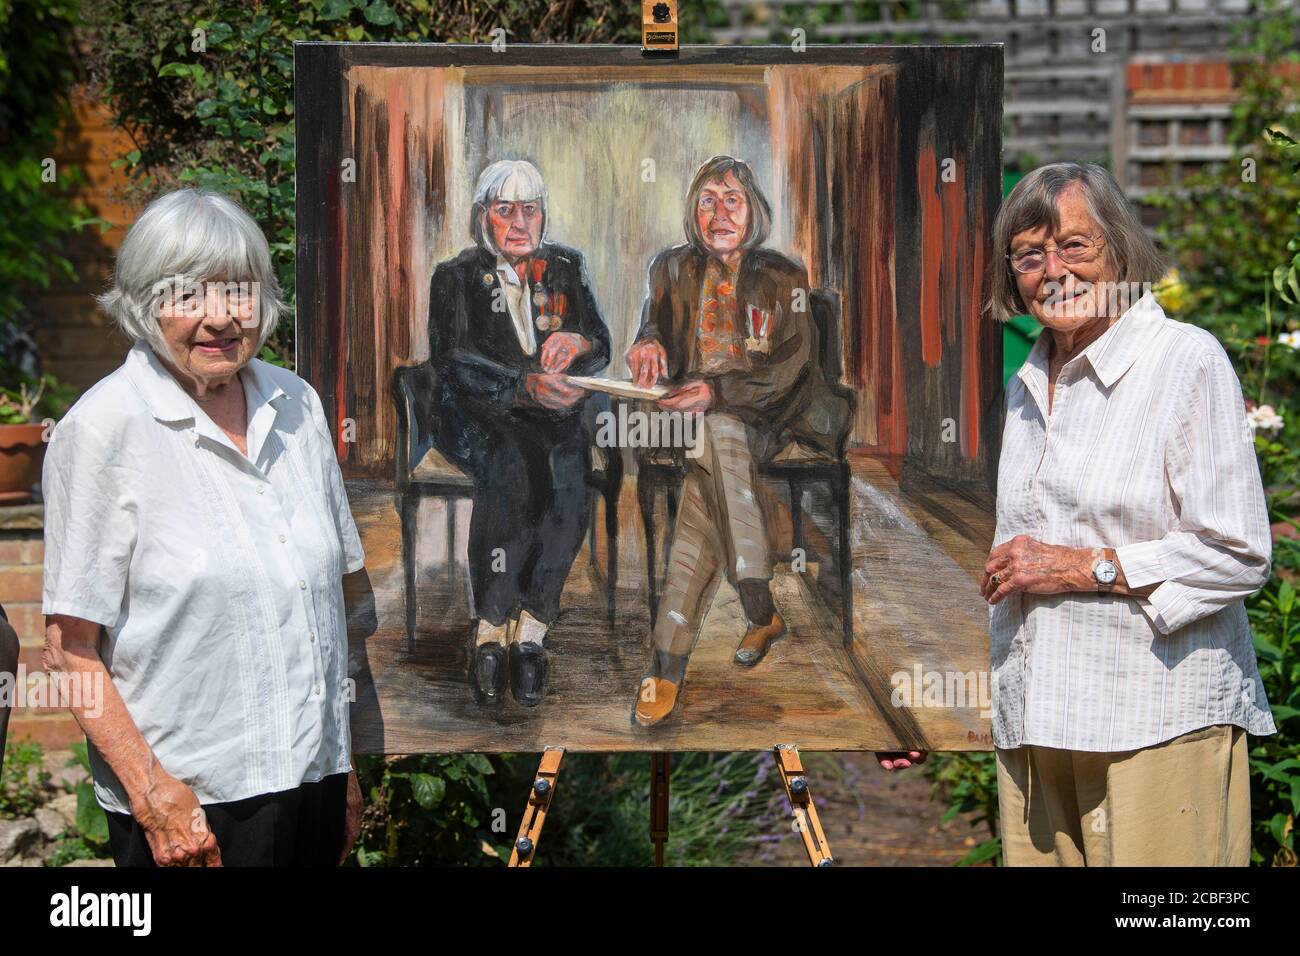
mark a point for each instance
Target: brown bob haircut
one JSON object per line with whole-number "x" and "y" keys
{"x": 760, "y": 213}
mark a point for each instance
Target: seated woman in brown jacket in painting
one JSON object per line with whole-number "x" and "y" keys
{"x": 729, "y": 324}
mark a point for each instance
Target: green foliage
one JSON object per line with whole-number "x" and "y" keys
{"x": 205, "y": 90}
{"x": 38, "y": 212}
{"x": 427, "y": 809}
{"x": 87, "y": 839}
{"x": 719, "y": 806}
{"x": 1229, "y": 227}
{"x": 969, "y": 780}
{"x": 25, "y": 782}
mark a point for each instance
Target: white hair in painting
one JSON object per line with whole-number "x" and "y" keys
{"x": 189, "y": 236}
{"x": 506, "y": 180}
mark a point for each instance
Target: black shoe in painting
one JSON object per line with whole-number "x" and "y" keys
{"x": 487, "y": 673}
{"x": 528, "y": 669}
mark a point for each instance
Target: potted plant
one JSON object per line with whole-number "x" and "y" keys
{"x": 25, "y": 417}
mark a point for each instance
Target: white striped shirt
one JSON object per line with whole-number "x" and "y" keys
{"x": 218, "y": 577}
{"x": 1147, "y": 450}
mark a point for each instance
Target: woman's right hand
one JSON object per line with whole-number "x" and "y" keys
{"x": 648, "y": 362}
{"x": 174, "y": 824}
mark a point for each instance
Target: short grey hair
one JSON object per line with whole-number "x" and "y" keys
{"x": 1032, "y": 205}
{"x": 511, "y": 180}
{"x": 189, "y": 235}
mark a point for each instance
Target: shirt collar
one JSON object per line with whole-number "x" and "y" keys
{"x": 168, "y": 402}
{"x": 1110, "y": 356}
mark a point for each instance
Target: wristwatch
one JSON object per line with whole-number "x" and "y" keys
{"x": 1104, "y": 572}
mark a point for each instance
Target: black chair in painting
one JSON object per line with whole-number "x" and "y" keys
{"x": 795, "y": 465}
{"x": 423, "y": 472}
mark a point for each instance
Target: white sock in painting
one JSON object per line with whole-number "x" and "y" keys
{"x": 490, "y": 633}
{"x": 529, "y": 629}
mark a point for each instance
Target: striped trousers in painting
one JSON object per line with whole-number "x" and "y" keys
{"x": 720, "y": 528}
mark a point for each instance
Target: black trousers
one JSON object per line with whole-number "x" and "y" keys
{"x": 298, "y": 827}
{"x": 531, "y": 505}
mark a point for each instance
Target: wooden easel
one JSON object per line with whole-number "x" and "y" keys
{"x": 796, "y": 786}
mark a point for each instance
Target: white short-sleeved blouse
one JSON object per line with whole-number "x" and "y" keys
{"x": 217, "y": 576}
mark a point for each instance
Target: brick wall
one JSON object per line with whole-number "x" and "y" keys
{"x": 21, "y": 554}
{"x": 79, "y": 346}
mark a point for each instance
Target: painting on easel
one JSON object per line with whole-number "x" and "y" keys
{"x": 661, "y": 388}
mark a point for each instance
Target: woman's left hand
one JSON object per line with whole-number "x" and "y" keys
{"x": 560, "y": 349}
{"x": 695, "y": 396}
{"x": 1026, "y": 564}
{"x": 352, "y": 822}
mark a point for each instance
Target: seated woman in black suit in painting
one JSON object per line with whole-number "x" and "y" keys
{"x": 508, "y": 318}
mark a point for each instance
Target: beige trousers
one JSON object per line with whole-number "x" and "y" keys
{"x": 720, "y": 527}
{"x": 1184, "y": 802}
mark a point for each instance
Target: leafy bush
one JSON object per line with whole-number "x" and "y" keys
{"x": 38, "y": 213}
{"x": 25, "y": 783}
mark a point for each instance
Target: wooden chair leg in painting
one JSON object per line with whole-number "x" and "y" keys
{"x": 801, "y": 803}
{"x": 844, "y": 504}
{"x": 645, "y": 493}
{"x": 611, "y": 548}
{"x": 796, "y": 512}
{"x": 660, "y": 771}
{"x": 539, "y": 801}
{"x": 409, "y": 507}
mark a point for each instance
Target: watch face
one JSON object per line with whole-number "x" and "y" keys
{"x": 1104, "y": 572}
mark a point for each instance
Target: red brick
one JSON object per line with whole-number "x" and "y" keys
{"x": 11, "y": 551}
{"x": 52, "y": 731}
{"x": 30, "y": 658}
{"x": 1178, "y": 76}
{"x": 18, "y": 584}
{"x": 28, "y": 622}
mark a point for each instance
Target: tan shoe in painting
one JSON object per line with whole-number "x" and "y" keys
{"x": 758, "y": 639}
{"x": 655, "y": 701}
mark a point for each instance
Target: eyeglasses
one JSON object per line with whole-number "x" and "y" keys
{"x": 1073, "y": 251}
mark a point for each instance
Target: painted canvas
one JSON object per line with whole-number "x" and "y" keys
{"x": 661, "y": 387}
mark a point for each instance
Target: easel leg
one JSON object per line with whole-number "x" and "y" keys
{"x": 539, "y": 801}
{"x": 660, "y": 767}
{"x": 801, "y": 802}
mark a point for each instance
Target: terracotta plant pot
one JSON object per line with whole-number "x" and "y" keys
{"x": 21, "y": 455}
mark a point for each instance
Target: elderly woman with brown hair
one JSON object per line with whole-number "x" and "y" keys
{"x": 196, "y": 537}
{"x": 1131, "y": 526}
{"x": 729, "y": 324}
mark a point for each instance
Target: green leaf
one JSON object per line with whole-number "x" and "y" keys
{"x": 176, "y": 69}
{"x": 91, "y": 820}
{"x": 381, "y": 14}
{"x": 986, "y": 851}
{"x": 480, "y": 763}
{"x": 1285, "y": 597}
{"x": 427, "y": 789}
{"x": 333, "y": 9}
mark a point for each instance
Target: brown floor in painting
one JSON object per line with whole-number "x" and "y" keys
{"x": 917, "y": 556}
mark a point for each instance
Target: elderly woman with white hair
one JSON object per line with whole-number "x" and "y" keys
{"x": 196, "y": 537}
{"x": 509, "y": 318}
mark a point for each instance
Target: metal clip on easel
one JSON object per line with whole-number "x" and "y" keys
{"x": 659, "y": 27}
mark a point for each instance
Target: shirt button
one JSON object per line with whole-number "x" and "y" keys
{"x": 316, "y": 689}
{"x": 261, "y": 489}
{"x": 311, "y": 635}
{"x": 283, "y": 539}
{"x": 302, "y": 585}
